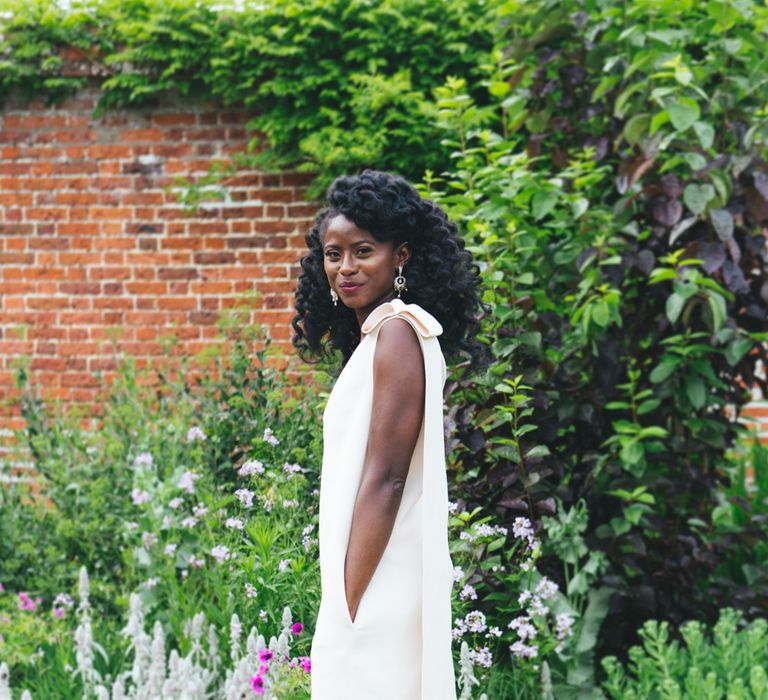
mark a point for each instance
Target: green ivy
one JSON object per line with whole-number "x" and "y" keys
{"x": 333, "y": 85}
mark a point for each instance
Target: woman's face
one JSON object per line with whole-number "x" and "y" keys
{"x": 359, "y": 268}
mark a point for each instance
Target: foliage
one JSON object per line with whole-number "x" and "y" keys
{"x": 733, "y": 662}
{"x": 334, "y": 86}
{"x": 612, "y": 185}
{"x": 739, "y": 524}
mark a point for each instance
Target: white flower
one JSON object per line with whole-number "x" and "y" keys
{"x": 308, "y": 529}
{"x": 468, "y": 536}
{"x": 290, "y": 503}
{"x": 292, "y": 469}
{"x": 250, "y": 590}
{"x": 166, "y": 522}
{"x": 196, "y": 563}
{"x": 522, "y": 529}
{"x": 523, "y": 627}
{"x": 263, "y": 615}
{"x": 269, "y": 437}
{"x": 148, "y": 539}
{"x": 221, "y": 553}
{"x": 283, "y": 565}
{"x": 523, "y": 598}
{"x": 170, "y": 549}
{"x": 452, "y": 506}
{"x": 187, "y": 481}
{"x": 485, "y": 530}
{"x": 151, "y": 582}
{"x": 524, "y": 651}
{"x": 494, "y": 632}
{"x": 482, "y": 657}
{"x": 132, "y": 525}
{"x": 268, "y": 503}
{"x": 475, "y": 621}
{"x": 234, "y": 523}
{"x": 245, "y": 497}
{"x": 536, "y": 607}
{"x": 138, "y": 497}
{"x": 546, "y": 589}
{"x": 63, "y": 599}
{"x": 526, "y": 565}
{"x": 251, "y": 467}
{"x": 564, "y": 623}
{"x": 195, "y": 433}
{"x": 315, "y": 492}
{"x": 143, "y": 459}
{"x": 306, "y": 542}
{"x": 200, "y": 510}
{"x": 174, "y": 503}
{"x": 468, "y": 592}
{"x": 458, "y": 574}
{"x": 460, "y": 629}
{"x": 189, "y": 522}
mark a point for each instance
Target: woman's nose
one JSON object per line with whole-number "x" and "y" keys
{"x": 347, "y": 263}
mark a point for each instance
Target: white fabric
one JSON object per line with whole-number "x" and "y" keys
{"x": 399, "y": 646}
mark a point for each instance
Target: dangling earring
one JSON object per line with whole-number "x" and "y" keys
{"x": 335, "y": 297}
{"x": 400, "y": 281}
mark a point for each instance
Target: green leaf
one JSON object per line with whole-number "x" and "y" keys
{"x": 722, "y": 222}
{"x": 543, "y": 202}
{"x": 737, "y": 350}
{"x": 696, "y": 197}
{"x": 695, "y": 160}
{"x": 683, "y": 113}
{"x": 597, "y": 609}
{"x": 696, "y": 390}
{"x": 674, "y": 307}
{"x": 635, "y": 128}
{"x": 705, "y": 133}
{"x": 664, "y": 370}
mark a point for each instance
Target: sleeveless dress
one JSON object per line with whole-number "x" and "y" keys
{"x": 399, "y": 645}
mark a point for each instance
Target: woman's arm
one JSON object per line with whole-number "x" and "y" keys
{"x": 396, "y": 416}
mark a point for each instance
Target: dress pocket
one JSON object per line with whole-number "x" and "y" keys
{"x": 347, "y": 615}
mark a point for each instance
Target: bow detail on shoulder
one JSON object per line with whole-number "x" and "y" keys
{"x": 426, "y": 324}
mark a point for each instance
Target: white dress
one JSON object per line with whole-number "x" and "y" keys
{"x": 399, "y": 645}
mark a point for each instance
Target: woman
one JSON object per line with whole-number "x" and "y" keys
{"x": 388, "y": 283}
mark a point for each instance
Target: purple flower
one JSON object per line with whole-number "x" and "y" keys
{"x": 269, "y": 437}
{"x": 195, "y": 433}
{"x": 306, "y": 663}
{"x": 138, "y": 497}
{"x": 26, "y": 602}
{"x": 58, "y": 612}
{"x": 251, "y": 467}
{"x": 297, "y": 628}
{"x": 257, "y": 684}
{"x": 187, "y": 481}
{"x": 265, "y": 655}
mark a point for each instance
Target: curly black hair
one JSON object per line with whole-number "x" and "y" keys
{"x": 442, "y": 277}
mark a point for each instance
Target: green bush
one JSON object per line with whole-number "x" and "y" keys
{"x": 732, "y": 663}
{"x": 612, "y": 185}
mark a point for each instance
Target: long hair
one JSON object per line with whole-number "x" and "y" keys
{"x": 442, "y": 277}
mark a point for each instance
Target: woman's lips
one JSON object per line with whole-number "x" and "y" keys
{"x": 352, "y": 288}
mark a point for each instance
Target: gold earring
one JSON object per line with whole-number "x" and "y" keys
{"x": 335, "y": 297}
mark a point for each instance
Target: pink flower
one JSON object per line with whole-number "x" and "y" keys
{"x": 26, "y": 602}
{"x": 58, "y": 612}
{"x": 296, "y": 629}
{"x": 257, "y": 683}
{"x": 265, "y": 654}
{"x": 306, "y": 663}
{"x": 263, "y": 668}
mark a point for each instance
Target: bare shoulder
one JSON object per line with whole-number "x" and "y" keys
{"x": 398, "y": 347}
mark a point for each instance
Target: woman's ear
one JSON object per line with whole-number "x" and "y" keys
{"x": 403, "y": 253}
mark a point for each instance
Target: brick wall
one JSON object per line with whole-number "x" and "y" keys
{"x": 92, "y": 244}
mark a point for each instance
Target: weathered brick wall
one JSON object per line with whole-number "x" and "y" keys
{"x": 92, "y": 242}
{"x": 92, "y": 245}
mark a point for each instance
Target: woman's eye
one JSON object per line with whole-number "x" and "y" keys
{"x": 363, "y": 251}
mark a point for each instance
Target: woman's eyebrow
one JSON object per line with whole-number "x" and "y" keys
{"x": 360, "y": 242}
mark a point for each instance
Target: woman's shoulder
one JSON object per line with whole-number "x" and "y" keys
{"x": 424, "y": 322}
